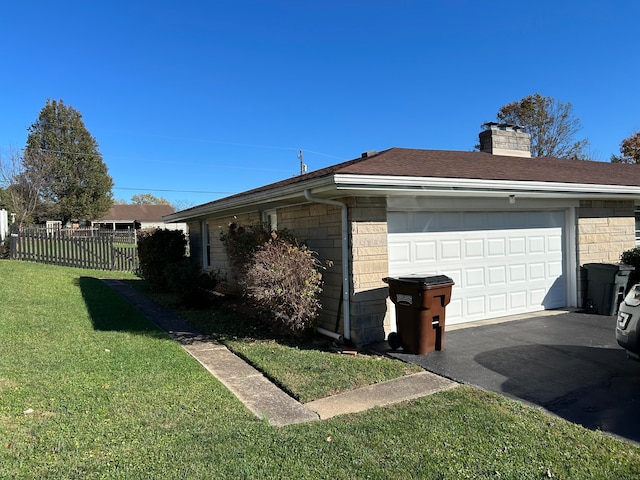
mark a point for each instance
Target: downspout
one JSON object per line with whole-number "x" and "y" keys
{"x": 345, "y": 259}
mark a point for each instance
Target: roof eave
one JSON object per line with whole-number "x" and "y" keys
{"x": 264, "y": 199}
{"x": 344, "y": 184}
{"x": 470, "y": 186}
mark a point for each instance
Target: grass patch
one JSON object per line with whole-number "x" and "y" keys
{"x": 121, "y": 401}
{"x": 306, "y": 370}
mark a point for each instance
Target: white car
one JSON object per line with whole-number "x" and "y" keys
{"x": 628, "y": 325}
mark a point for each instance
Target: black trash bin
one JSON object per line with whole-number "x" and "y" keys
{"x": 606, "y": 286}
{"x": 420, "y": 303}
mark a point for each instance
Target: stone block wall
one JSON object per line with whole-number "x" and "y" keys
{"x": 320, "y": 227}
{"x": 370, "y": 264}
{"x": 219, "y": 261}
{"x": 605, "y": 229}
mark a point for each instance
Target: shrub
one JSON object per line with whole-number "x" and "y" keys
{"x": 632, "y": 257}
{"x": 156, "y": 250}
{"x": 240, "y": 243}
{"x": 285, "y": 279}
{"x": 5, "y": 249}
{"x": 192, "y": 286}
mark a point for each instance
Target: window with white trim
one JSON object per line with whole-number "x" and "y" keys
{"x": 270, "y": 220}
{"x": 206, "y": 245}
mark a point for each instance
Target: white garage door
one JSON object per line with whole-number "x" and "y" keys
{"x": 502, "y": 263}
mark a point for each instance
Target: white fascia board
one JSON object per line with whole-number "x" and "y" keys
{"x": 476, "y": 186}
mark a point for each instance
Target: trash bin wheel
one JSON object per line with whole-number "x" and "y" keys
{"x": 394, "y": 340}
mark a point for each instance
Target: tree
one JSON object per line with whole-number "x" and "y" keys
{"x": 20, "y": 187}
{"x": 629, "y": 150}
{"x": 148, "y": 199}
{"x": 60, "y": 148}
{"x": 550, "y": 123}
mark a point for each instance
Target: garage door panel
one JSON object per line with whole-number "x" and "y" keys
{"x": 496, "y": 247}
{"x": 554, "y": 269}
{"x": 554, "y": 244}
{"x": 537, "y": 271}
{"x": 474, "y": 306}
{"x": 536, "y": 296}
{"x": 536, "y": 245}
{"x": 517, "y": 246}
{"x": 498, "y": 303}
{"x": 497, "y": 275}
{"x": 450, "y": 250}
{"x": 516, "y": 266}
{"x": 518, "y": 273}
{"x": 473, "y": 248}
{"x": 518, "y": 300}
{"x": 454, "y": 309}
{"x": 425, "y": 251}
{"x": 474, "y": 277}
{"x": 400, "y": 253}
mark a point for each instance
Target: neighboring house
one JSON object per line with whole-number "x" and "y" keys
{"x": 123, "y": 217}
{"x": 510, "y": 230}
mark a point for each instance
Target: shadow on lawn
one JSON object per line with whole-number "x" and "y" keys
{"x": 121, "y": 306}
{"x": 109, "y": 311}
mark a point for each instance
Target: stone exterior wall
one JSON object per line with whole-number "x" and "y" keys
{"x": 370, "y": 264}
{"x": 218, "y": 255}
{"x": 320, "y": 227}
{"x": 605, "y": 229}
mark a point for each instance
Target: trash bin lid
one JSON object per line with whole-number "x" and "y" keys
{"x": 609, "y": 266}
{"x": 421, "y": 280}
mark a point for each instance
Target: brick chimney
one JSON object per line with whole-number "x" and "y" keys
{"x": 505, "y": 139}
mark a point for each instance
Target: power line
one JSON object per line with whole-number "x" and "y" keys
{"x": 170, "y": 190}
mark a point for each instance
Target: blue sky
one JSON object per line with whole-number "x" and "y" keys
{"x": 219, "y": 96}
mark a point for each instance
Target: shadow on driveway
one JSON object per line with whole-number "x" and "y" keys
{"x": 569, "y": 364}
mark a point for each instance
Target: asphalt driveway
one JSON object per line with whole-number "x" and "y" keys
{"x": 568, "y": 363}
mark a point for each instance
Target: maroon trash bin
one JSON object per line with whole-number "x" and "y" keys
{"x": 420, "y": 303}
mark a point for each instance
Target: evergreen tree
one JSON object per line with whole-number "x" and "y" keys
{"x": 61, "y": 151}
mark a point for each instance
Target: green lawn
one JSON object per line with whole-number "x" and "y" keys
{"x": 108, "y": 396}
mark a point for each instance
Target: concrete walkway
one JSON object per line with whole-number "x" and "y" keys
{"x": 260, "y": 395}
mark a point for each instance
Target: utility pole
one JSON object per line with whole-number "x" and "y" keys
{"x": 303, "y": 167}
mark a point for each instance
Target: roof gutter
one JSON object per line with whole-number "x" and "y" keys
{"x": 382, "y": 182}
{"x": 345, "y": 259}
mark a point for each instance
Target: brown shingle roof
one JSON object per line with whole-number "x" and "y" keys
{"x": 407, "y": 162}
{"x": 140, "y": 213}
{"x": 484, "y": 166}
{"x": 476, "y": 165}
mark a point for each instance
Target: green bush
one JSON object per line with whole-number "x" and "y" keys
{"x": 193, "y": 287}
{"x": 158, "y": 249}
{"x": 632, "y": 257}
{"x": 285, "y": 279}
